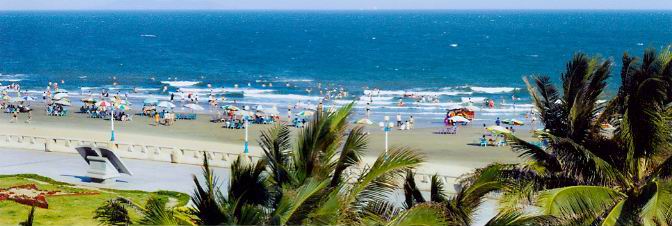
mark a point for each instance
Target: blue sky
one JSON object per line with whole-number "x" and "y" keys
{"x": 331, "y": 4}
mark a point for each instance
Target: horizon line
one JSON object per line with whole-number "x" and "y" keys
{"x": 326, "y": 10}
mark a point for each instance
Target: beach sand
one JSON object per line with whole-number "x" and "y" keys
{"x": 448, "y": 155}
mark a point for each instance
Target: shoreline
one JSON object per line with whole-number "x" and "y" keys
{"x": 448, "y": 155}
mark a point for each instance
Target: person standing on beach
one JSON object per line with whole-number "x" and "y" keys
{"x": 398, "y": 119}
{"x": 289, "y": 113}
{"x": 498, "y": 122}
{"x": 411, "y": 123}
{"x": 15, "y": 116}
{"x": 156, "y": 119}
{"x": 368, "y": 110}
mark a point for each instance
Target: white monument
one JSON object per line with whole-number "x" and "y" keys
{"x": 103, "y": 163}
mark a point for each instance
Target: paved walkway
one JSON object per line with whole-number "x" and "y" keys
{"x": 71, "y": 168}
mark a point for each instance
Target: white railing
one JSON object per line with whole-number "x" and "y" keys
{"x": 169, "y": 154}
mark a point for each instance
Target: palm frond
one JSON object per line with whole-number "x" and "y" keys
{"x": 156, "y": 214}
{"x": 112, "y": 212}
{"x": 207, "y": 198}
{"x": 276, "y": 143}
{"x": 658, "y": 205}
{"x": 293, "y": 199}
{"x": 422, "y": 214}
{"x": 380, "y": 180}
{"x": 578, "y": 201}
{"x": 437, "y": 190}
{"x": 534, "y": 152}
{"x": 515, "y": 218}
{"x": 577, "y": 160}
{"x": 412, "y": 194}
{"x": 248, "y": 183}
{"x": 351, "y": 153}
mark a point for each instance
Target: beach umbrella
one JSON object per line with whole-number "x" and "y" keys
{"x": 458, "y": 118}
{"x": 103, "y": 104}
{"x": 517, "y": 122}
{"x": 230, "y": 108}
{"x": 63, "y": 102}
{"x": 497, "y": 129}
{"x": 259, "y": 108}
{"x": 194, "y": 107}
{"x": 150, "y": 101}
{"x": 165, "y": 104}
{"x": 59, "y": 96}
{"x": 89, "y": 100}
{"x": 364, "y": 121}
{"x": 123, "y": 107}
{"x": 28, "y": 98}
{"x": 305, "y": 113}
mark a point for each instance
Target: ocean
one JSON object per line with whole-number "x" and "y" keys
{"x": 283, "y": 58}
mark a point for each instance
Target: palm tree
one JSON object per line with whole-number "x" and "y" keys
{"x": 590, "y": 176}
{"x": 154, "y": 212}
{"x": 308, "y": 180}
{"x": 460, "y": 208}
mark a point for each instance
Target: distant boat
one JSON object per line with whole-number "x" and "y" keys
{"x": 149, "y": 36}
{"x": 453, "y": 45}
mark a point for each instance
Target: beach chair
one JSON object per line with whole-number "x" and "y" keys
{"x": 483, "y": 142}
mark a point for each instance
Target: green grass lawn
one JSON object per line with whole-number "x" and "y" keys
{"x": 70, "y": 210}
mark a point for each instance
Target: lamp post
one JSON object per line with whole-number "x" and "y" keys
{"x": 112, "y": 124}
{"x": 387, "y": 127}
{"x": 246, "y": 124}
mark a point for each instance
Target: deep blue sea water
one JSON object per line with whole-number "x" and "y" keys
{"x": 454, "y": 54}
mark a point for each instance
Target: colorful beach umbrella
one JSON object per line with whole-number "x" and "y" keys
{"x": 166, "y": 104}
{"x": 364, "y": 121}
{"x": 59, "y": 96}
{"x": 63, "y": 103}
{"x": 458, "y": 118}
{"x": 89, "y": 100}
{"x": 103, "y": 104}
{"x": 305, "y": 113}
{"x": 194, "y": 107}
{"x": 123, "y": 107}
{"x": 497, "y": 129}
{"x": 230, "y": 108}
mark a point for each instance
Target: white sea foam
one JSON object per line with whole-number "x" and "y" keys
{"x": 180, "y": 83}
{"x": 282, "y": 96}
{"x": 416, "y": 92}
{"x": 226, "y": 90}
{"x": 472, "y": 99}
{"x": 12, "y": 77}
{"x": 294, "y": 80}
{"x": 491, "y": 90}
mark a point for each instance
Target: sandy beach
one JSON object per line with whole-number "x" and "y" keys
{"x": 449, "y": 155}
